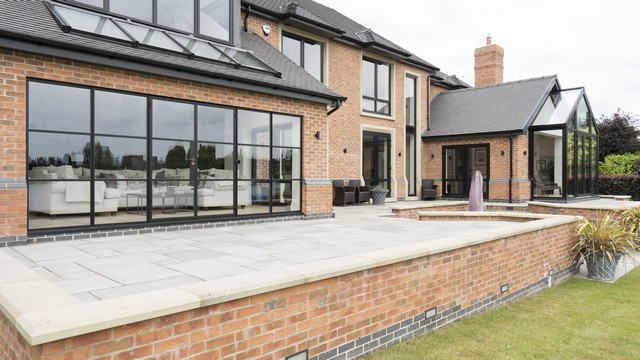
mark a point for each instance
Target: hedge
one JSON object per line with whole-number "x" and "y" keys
{"x": 620, "y": 185}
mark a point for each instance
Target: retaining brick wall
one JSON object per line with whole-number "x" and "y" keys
{"x": 337, "y": 318}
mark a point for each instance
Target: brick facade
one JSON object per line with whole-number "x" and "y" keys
{"x": 346, "y": 125}
{"x": 336, "y": 318}
{"x": 499, "y": 158}
{"x": 17, "y": 67}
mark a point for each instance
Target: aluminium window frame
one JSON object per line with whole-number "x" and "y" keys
{"x": 149, "y": 138}
{"x": 376, "y": 99}
{"x": 303, "y": 40}
{"x": 412, "y": 130}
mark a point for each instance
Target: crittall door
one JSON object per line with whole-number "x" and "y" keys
{"x": 376, "y": 159}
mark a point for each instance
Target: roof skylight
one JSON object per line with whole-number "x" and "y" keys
{"x": 71, "y": 19}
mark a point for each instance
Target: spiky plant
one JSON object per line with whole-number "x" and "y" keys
{"x": 606, "y": 235}
{"x": 631, "y": 218}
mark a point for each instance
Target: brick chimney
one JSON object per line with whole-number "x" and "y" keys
{"x": 489, "y": 66}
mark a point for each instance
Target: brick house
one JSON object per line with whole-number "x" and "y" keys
{"x": 530, "y": 139}
{"x": 117, "y": 115}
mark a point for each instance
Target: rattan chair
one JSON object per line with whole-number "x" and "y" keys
{"x": 429, "y": 190}
{"x": 343, "y": 194}
{"x": 362, "y": 191}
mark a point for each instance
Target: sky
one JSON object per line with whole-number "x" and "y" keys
{"x": 593, "y": 44}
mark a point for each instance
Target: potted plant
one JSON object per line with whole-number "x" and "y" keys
{"x": 601, "y": 243}
{"x": 631, "y": 218}
{"x": 379, "y": 194}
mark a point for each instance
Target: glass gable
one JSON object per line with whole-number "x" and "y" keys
{"x": 557, "y": 108}
{"x": 94, "y": 24}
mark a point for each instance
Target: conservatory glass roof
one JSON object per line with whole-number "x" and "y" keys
{"x": 71, "y": 19}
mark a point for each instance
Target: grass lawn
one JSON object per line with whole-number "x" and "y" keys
{"x": 580, "y": 319}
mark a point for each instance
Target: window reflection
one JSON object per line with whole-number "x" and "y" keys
{"x": 286, "y": 130}
{"x": 52, "y": 149}
{"x": 215, "y": 18}
{"x": 138, "y": 9}
{"x": 172, "y": 119}
{"x": 120, "y": 114}
{"x": 253, "y": 128}
{"x": 61, "y": 108}
{"x": 132, "y": 186}
{"x": 177, "y": 14}
{"x": 215, "y": 124}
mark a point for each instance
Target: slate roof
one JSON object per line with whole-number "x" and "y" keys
{"x": 450, "y": 81}
{"x": 29, "y": 26}
{"x": 507, "y": 107}
{"x": 350, "y": 30}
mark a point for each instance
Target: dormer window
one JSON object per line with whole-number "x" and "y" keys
{"x": 208, "y": 18}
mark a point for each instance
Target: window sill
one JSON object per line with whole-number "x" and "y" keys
{"x": 377, "y": 116}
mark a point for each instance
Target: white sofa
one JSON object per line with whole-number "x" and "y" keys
{"x": 115, "y": 189}
{"x": 68, "y": 197}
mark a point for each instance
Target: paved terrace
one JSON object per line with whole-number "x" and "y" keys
{"x": 126, "y": 275}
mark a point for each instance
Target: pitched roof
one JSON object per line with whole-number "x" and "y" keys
{"x": 349, "y": 29}
{"x": 29, "y": 26}
{"x": 449, "y": 81}
{"x": 507, "y": 107}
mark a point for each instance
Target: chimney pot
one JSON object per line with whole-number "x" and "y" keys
{"x": 488, "y": 39}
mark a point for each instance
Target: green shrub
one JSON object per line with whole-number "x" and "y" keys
{"x": 620, "y": 185}
{"x": 620, "y": 164}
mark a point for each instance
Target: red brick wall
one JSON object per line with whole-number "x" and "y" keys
{"x": 16, "y": 67}
{"x": 323, "y": 315}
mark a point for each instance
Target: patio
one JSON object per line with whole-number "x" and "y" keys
{"x": 115, "y": 281}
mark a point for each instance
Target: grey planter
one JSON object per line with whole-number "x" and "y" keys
{"x": 601, "y": 267}
{"x": 379, "y": 196}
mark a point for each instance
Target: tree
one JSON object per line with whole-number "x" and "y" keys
{"x": 618, "y": 134}
{"x": 176, "y": 158}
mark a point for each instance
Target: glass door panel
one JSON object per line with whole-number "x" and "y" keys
{"x": 376, "y": 159}
{"x": 459, "y": 165}
{"x": 547, "y": 164}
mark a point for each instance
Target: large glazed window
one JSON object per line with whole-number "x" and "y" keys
{"x": 119, "y": 158}
{"x": 410, "y": 97}
{"x": 376, "y": 85}
{"x": 306, "y": 53}
{"x": 213, "y": 16}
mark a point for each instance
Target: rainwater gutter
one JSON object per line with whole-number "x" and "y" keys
{"x": 246, "y": 18}
{"x": 338, "y": 105}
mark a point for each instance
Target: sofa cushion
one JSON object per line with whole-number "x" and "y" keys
{"x": 111, "y": 193}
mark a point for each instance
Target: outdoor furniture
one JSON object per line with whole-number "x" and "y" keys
{"x": 362, "y": 192}
{"x": 545, "y": 187}
{"x": 428, "y": 190}
{"x": 343, "y": 194}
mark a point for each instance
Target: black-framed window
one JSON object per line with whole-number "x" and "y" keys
{"x": 411, "y": 107}
{"x": 209, "y": 18}
{"x": 307, "y": 54}
{"x": 376, "y": 86}
{"x": 115, "y": 158}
